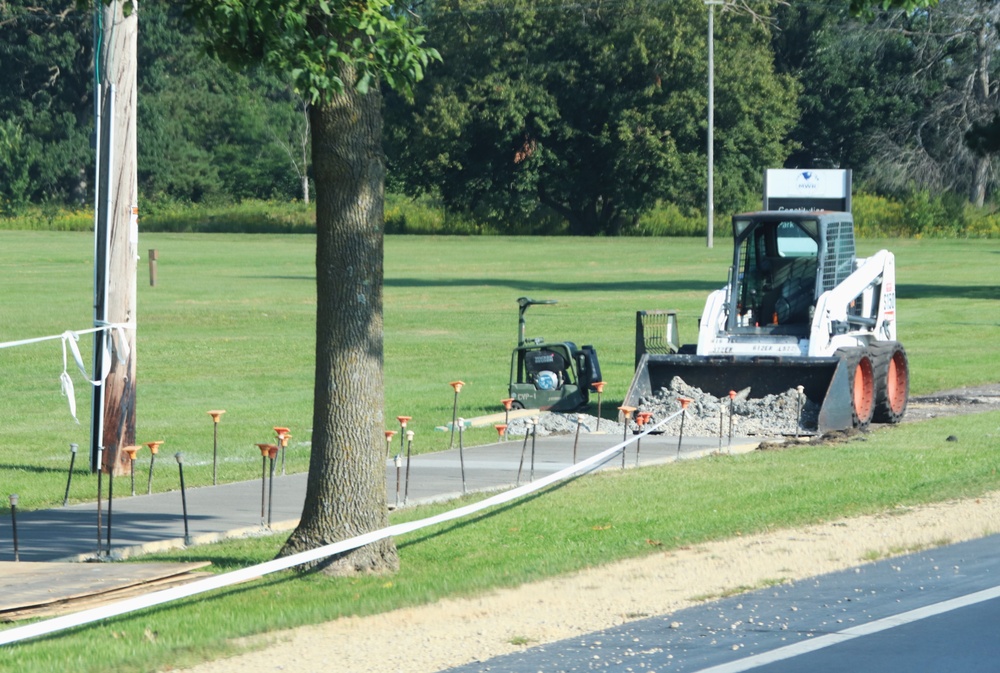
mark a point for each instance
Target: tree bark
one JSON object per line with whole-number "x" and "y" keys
{"x": 118, "y": 65}
{"x": 345, "y": 492}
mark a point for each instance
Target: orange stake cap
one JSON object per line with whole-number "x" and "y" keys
{"x": 457, "y": 385}
{"x": 216, "y": 414}
{"x": 599, "y": 386}
{"x": 643, "y": 417}
{"x": 265, "y": 449}
{"x": 131, "y": 451}
{"x": 626, "y": 411}
{"x": 279, "y": 430}
{"x": 685, "y": 401}
{"x": 506, "y": 402}
{"x": 284, "y": 439}
{"x": 154, "y": 447}
{"x": 501, "y": 429}
{"x": 272, "y": 452}
{"x": 389, "y": 434}
{"x": 732, "y": 394}
{"x": 403, "y": 420}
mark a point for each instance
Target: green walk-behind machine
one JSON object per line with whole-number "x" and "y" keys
{"x": 555, "y": 376}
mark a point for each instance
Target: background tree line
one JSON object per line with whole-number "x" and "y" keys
{"x": 589, "y": 114}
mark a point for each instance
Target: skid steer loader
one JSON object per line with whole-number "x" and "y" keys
{"x": 799, "y": 309}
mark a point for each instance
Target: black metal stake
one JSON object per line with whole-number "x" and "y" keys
{"x": 69, "y": 479}
{"x": 111, "y": 490}
{"x": 520, "y": 466}
{"x": 600, "y": 390}
{"x": 461, "y": 451}
{"x": 624, "y": 437}
{"x": 398, "y": 460}
{"x": 732, "y": 398}
{"x": 215, "y": 453}
{"x": 270, "y": 489}
{"x": 457, "y": 387}
{"x": 534, "y": 434}
{"x": 100, "y": 471}
{"x": 282, "y": 443}
{"x": 149, "y": 479}
{"x": 409, "y": 445}
{"x": 576, "y": 440}
{"x": 721, "y": 418}
{"x": 263, "y": 484}
{"x": 216, "y": 414}
{"x": 680, "y": 437}
{"x": 132, "y": 470}
{"x": 184, "y": 505}
{"x": 13, "y": 523}
{"x": 798, "y": 413}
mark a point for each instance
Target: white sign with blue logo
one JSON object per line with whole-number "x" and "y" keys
{"x": 807, "y": 189}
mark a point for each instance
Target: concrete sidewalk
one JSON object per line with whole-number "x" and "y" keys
{"x": 147, "y": 523}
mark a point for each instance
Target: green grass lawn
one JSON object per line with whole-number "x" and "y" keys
{"x": 230, "y": 326}
{"x": 586, "y": 522}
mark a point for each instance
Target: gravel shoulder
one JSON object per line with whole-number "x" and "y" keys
{"x": 453, "y": 632}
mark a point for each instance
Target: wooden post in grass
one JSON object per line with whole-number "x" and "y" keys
{"x": 116, "y": 237}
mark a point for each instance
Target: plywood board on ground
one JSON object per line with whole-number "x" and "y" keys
{"x": 38, "y": 589}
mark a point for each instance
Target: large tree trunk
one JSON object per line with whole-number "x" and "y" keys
{"x": 345, "y": 493}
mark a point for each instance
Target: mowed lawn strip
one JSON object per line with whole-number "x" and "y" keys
{"x": 230, "y": 326}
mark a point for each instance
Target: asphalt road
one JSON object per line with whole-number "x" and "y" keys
{"x": 930, "y": 612}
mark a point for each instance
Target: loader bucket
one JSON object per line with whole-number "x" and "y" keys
{"x": 825, "y": 381}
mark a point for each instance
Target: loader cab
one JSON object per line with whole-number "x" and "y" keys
{"x": 782, "y": 262}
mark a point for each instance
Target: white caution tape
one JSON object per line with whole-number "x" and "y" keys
{"x": 72, "y": 338}
{"x": 122, "y": 607}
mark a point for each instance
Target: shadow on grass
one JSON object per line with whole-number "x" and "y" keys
{"x": 78, "y": 470}
{"x": 535, "y": 285}
{"x": 951, "y": 291}
{"x": 585, "y": 286}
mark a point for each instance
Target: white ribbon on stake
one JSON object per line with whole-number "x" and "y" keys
{"x": 70, "y": 337}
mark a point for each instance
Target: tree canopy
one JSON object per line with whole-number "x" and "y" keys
{"x": 535, "y": 103}
{"x": 592, "y": 112}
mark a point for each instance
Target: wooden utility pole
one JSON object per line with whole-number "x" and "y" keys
{"x": 116, "y": 234}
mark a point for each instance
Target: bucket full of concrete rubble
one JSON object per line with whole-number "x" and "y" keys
{"x": 818, "y": 389}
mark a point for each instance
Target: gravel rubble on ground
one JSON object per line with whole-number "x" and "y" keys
{"x": 707, "y": 415}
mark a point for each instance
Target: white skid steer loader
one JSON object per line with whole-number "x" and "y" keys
{"x": 799, "y": 310}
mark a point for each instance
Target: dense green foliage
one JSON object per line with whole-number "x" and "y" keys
{"x": 542, "y": 117}
{"x": 919, "y": 214}
{"x": 592, "y": 114}
{"x": 205, "y": 132}
{"x": 905, "y": 99}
